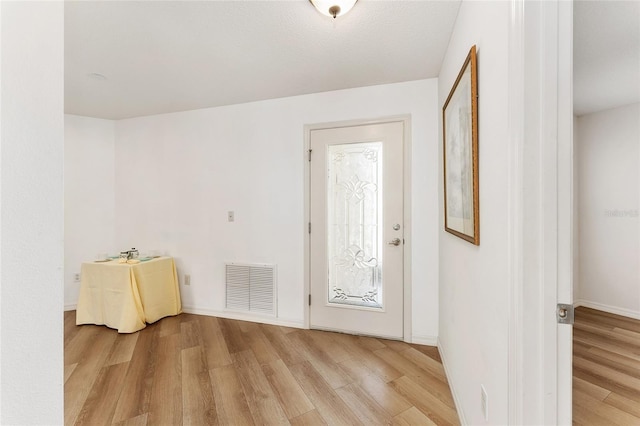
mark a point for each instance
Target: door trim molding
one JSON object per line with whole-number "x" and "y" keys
{"x": 406, "y": 148}
{"x": 540, "y": 224}
{"x": 516, "y": 85}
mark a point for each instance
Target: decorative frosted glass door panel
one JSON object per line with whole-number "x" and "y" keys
{"x": 356, "y": 239}
{"x": 354, "y": 213}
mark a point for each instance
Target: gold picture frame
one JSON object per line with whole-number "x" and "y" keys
{"x": 460, "y": 154}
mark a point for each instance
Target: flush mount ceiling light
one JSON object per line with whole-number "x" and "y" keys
{"x": 333, "y": 8}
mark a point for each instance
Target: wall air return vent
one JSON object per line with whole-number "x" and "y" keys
{"x": 251, "y": 288}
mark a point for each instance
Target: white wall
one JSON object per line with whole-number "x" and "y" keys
{"x": 608, "y": 160}
{"x": 89, "y": 197}
{"x": 474, "y": 285}
{"x": 178, "y": 174}
{"x": 31, "y": 207}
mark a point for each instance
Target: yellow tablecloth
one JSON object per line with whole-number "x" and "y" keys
{"x": 125, "y": 296}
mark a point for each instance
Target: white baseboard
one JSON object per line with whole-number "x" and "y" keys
{"x": 70, "y": 307}
{"x": 243, "y": 316}
{"x": 456, "y": 398}
{"x": 607, "y": 308}
{"x": 425, "y": 340}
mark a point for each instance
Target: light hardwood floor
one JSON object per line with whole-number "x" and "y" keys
{"x": 201, "y": 370}
{"x": 606, "y": 369}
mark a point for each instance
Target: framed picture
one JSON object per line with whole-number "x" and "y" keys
{"x": 460, "y": 154}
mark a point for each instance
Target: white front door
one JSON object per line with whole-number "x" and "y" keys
{"x": 356, "y": 240}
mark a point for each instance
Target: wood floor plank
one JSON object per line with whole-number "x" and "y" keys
{"x": 233, "y": 336}
{"x": 198, "y": 406}
{"x": 380, "y": 367}
{"x": 397, "y": 345}
{"x": 613, "y": 415}
{"x": 584, "y": 416}
{"x": 426, "y": 363}
{"x": 432, "y": 384}
{"x": 432, "y": 407}
{"x": 231, "y": 404}
{"x": 286, "y": 349}
{"x": 289, "y": 393}
{"x": 263, "y": 403}
{"x": 82, "y": 341}
{"x": 326, "y": 339}
{"x": 607, "y": 372}
{"x": 625, "y": 404}
{"x": 392, "y": 377}
{"x": 187, "y": 317}
{"x": 215, "y": 348}
{"x": 165, "y": 402}
{"x": 430, "y": 351}
{"x": 70, "y": 328}
{"x": 170, "y": 325}
{"x": 321, "y": 361}
{"x": 100, "y": 405}
{"x": 606, "y": 369}
{"x": 624, "y": 359}
{"x": 328, "y": 404}
{"x": 605, "y": 344}
{"x": 262, "y": 374}
{"x": 287, "y": 330}
{"x": 246, "y": 326}
{"x": 68, "y": 370}
{"x": 610, "y": 337}
{"x": 351, "y": 345}
{"x": 139, "y": 378}
{"x": 140, "y": 420}
{"x": 79, "y": 384}
{"x": 404, "y": 365}
{"x": 599, "y": 328}
{"x": 310, "y": 418}
{"x": 411, "y": 417}
{"x": 363, "y": 406}
{"x": 362, "y": 358}
{"x": 355, "y": 369}
{"x": 376, "y": 387}
{"x": 191, "y": 334}
{"x": 633, "y": 335}
{"x": 260, "y": 345}
{"x": 606, "y": 383}
{"x": 385, "y": 395}
{"x": 621, "y": 364}
{"x": 122, "y": 349}
{"x": 592, "y": 316}
{"x": 594, "y": 391}
{"x": 370, "y": 343}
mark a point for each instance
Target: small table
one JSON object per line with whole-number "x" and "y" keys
{"x": 127, "y": 296}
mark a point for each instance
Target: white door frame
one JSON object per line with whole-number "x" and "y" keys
{"x": 406, "y": 123}
{"x": 540, "y": 227}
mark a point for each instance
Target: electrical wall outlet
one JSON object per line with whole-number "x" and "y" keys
{"x": 76, "y": 277}
{"x": 187, "y": 279}
{"x": 484, "y": 403}
{"x": 231, "y": 216}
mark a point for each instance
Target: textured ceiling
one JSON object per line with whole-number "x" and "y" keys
{"x": 165, "y": 56}
{"x": 606, "y": 55}
{"x": 177, "y": 55}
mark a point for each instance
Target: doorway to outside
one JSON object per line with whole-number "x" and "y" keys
{"x": 356, "y": 212}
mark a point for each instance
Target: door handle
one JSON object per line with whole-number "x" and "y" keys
{"x": 394, "y": 242}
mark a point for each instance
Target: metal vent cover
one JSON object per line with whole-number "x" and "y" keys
{"x": 251, "y": 288}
